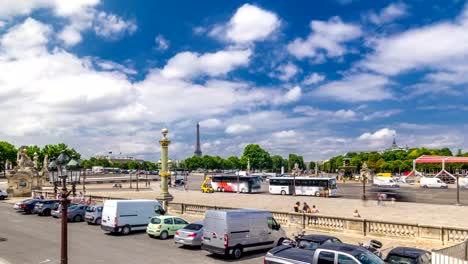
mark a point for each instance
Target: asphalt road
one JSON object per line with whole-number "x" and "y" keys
{"x": 36, "y": 240}
{"x": 354, "y": 191}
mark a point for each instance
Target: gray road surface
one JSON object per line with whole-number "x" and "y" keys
{"x": 31, "y": 239}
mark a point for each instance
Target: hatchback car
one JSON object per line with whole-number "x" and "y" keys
{"x": 406, "y": 255}
{"x": 57, "y": 210}
{"x": 93, "y": 214}
{"x": 76, "y": 213}
{"x": 190, "y": 235}
{"x": 18, "y": 205}
{"x": 163, "y": 226}
{"x": 45, "y": 207}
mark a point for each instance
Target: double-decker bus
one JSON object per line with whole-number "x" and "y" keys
{"x": 234, "y": 183}
{"x": 303, "y": 186}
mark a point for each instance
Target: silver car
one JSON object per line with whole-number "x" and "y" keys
{"x": 57, "y": 210}
{"x": 93, "y": 214}
{"x": 190, "y": 235}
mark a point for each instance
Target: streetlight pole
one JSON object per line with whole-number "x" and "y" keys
{"x": 364, "y": 178}
{"x": 61, "y": 162}
{"x": 164, "y": 195}
{"x": 137, "y": 177}
{"x": 458, "y": 189}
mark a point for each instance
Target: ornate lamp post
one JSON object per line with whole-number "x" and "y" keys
{"x": 62, "y": 174}
{"x": 53, "y": 176}
{"x": 164, "y": 196}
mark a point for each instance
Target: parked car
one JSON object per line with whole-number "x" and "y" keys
{"x": 28, "y": 206}
{"x": 190, "y": 235}
{"x": 231, "y": 232}
{"x": 126, "y": 215}
{"x": 3, "y": 195}
{"x": 18, "y": 205}
{"x": 406, "y": 255}
{"x": 324, "y": 254}
{"x": 57, "y": 210}
{"x": 76, "y": 213}
{"x": 313, "y": 241}
{"x": 163, "y": 226}
{"x": 93, "y": 214}
{"x": 45, "y": 207}
{"x": 427, "y": 182}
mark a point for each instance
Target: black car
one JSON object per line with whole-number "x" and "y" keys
{"x": 313, "y": 241}
{"x": 406, "y": 255}
{"x": 28, "y": 206}
{"x": 389, "y": 194}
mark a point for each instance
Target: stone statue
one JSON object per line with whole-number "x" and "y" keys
{"x": 366, "y": 173}
{"x": 36, "y": 160}
{"x": 45, "y": 164}
{"x": 24, "y": 162}
{"x": 296, "y": 171}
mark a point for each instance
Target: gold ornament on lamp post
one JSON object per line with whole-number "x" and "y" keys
{"x": 164, "y": 173}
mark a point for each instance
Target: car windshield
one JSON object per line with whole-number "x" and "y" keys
{"x": 90, "y": 209}
{"x": 155, "y": 220}
{"x": 369, "y": 258}
{"x": 395, "y": 259}
{"x": 194, "y": 227}
{"x": 308, "y": 244}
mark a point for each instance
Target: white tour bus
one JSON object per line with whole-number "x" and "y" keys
{"x": 232, "y": 183}
{"x": 304, "y": 186}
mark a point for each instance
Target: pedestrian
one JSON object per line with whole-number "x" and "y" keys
{"x": 314, "y": 209}
{"x": 296, "y": 207}
{"x": 356, "y": 213}
{"x": 306, "y": 208}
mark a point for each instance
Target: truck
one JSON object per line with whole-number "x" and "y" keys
{"x": 326, "y": 253}
{"x": 233, "y": 232}
{"x": 384, "y": 182}
{"x": 125, "y": 216}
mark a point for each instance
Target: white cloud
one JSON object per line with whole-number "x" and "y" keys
{"x": 379, "y": 135}
{"x": 112, "y": 26}
{"x": 161, "y": 42}
{"x": 191, "y": 64}
{"x": 2, "y": 23}
{"x": 113, "y": 66}
{"x": 285, "y": 134}
{"x": 341, "y": 115}
{"x": 356, "y": 88}
{"x": 437, "y": 46}
{"x": 329, "y": 36}
{"x": 313, "y": 78}
{"x": 211, "y": 123}
{"x": 238, "y": 129}
{"x": 292, "y": 95}
{"x": 388, "y": 14}
{"x": 287, "y": 71}
{"x": 381, "y": 114}
{"x": 249, "y": 24}
{"x": 11, "y": 8}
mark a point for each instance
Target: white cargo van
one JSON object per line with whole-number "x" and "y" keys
{"x": 232, "y": 232}
{"x": 432, "y": 183}
{"x": 125, "y": 216}
{"x": 384, "y": 182}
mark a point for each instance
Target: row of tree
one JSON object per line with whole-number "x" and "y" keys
{"x": 130, "y": 165}
{"x": 393, "y": 161}
{"x": 9, "y": 152}
{"x": 258, "y": 158}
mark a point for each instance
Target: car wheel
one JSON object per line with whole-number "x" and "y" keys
{"x": 218, "y": 189}
{"x": 222, "y": 189}
{"x": 126, "y": 230}
{"x": 283, "y": 192}
{"x": 317, "y": 194}
{"x": 243, "y": 190}
{"x": 98, "y": 221}
{"x": 77, "y": 218}
{"x": 237, "y": 252}
{"x": 163, "y": 235}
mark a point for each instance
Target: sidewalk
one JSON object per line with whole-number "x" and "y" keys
{"x": 412, "y": 213}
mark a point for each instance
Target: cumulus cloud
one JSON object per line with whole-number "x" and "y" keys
{"x": 327, "y": 38}
{"x": 238, "y": 129}
{"x": 292, "y": 95}
{"x": 211, "y": 123}
{"x": 161, "y": 42}
{"x": 285, "y": 134}
{"x": 11, "y": 8}
{"x": 379, "y": 135}
{"x": 313, "y": 78}
{"x": 341, "y": 115}
{"x": 356, "y": 88}
{"x": 388, "y": 14}
{"x": 111, "y": 26}
{"x": 249, "y": 24}
{"x": 189, "y": 64}
{"x": 287, "y": 71}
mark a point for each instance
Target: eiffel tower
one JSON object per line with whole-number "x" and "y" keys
{"x": 198, "y": 151}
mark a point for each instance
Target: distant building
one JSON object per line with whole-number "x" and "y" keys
{"x": 395, "y": 147}
{"x": 198, "y": 151}
{"x": 118, "y": 159}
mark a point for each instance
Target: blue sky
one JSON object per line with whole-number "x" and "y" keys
{"x": 317, "y": 78}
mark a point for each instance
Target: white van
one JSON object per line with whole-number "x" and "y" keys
{"x": 464, "y": 182}
{"x": 125, "y": 216}
{"x": 384, "y": 182}
{"x": 432, "y": 183}
{"x": 232, "y": 232}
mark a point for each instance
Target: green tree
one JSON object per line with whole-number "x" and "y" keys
{"x": 259, "y": 158}
{"x": 311, "y": 165}
{"x": 277, "y": 162}
{"x": 293, "y": 159}
{"x": 236, "y": 163}
{"x": 7, "y": 152}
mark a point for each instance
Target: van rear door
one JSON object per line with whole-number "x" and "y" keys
{"x": 214, "y": 228}
{"x": 109, "y": 213}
